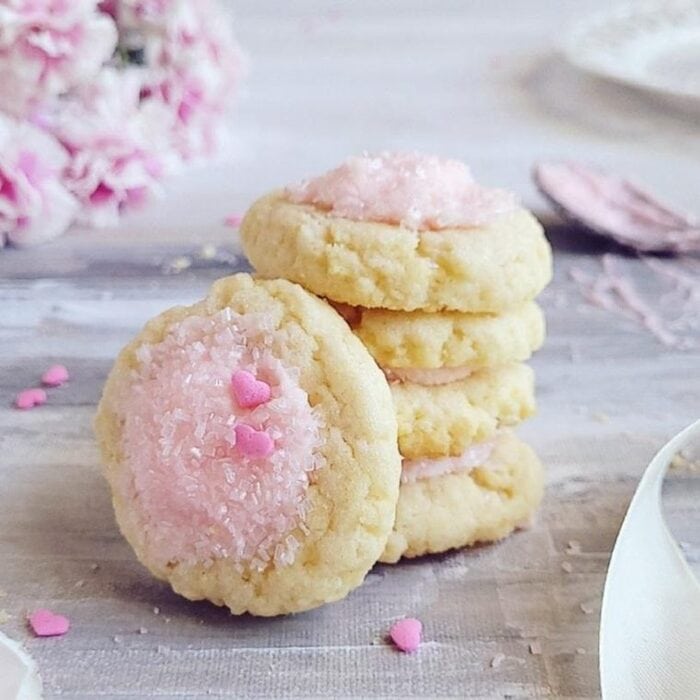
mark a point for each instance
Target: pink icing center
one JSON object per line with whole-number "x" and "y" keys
{"x": 419, "y": 191}
{"x": 427, "y": 376}
{"x": 205, "y": 477}
{"x": 476, "y": 455}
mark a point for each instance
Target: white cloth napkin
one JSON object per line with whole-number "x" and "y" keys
{"x": 650, "y": 618}
{"x": 19, "y": 679}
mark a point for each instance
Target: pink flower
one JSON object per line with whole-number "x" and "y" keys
{"x": 48, "y": 47}
{"x": 34, "y": 204}
{"x": 115, "y": 156}
{"x": 195, "y": 66}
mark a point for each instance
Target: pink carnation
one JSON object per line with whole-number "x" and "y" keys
{"x": 115, "y": 159}
{"x": 48, "y": 47}
{"x": 34, "y": 205}
{"x": 195, "y": 67}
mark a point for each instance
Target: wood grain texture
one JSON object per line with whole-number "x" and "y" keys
{"x": 471, "y": 80}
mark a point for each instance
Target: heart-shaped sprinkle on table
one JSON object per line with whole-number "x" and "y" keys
{"x": 29, "y": 398}
{"x": 248, "y": 391}
{"x": 48, "y": 624}
{"x": 251, "y": 442}
{"x": 406, "y": 634}
{"x": 55, "y": 376}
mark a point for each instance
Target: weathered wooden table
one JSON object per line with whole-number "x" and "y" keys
{"x": 475, "y": 82}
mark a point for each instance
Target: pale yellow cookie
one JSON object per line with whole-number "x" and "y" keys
{"x": 435, "y": 421}
{"x": 418, "y": 339}
{"x": 486, "y": 268}
{"x": 250, "y": 444}
{"x": 460, "y": 509}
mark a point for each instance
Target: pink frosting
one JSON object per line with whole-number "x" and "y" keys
{"x": 194, "y": 494}
{"x": 476, "y": 455}
{"x": 427, "y": 376}
{"x": 419, "y": 191}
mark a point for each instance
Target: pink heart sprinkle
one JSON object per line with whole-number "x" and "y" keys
{"x": 30, "y": 398}
{"x": 253, "y": 443}
{"x": 248, "y": 391}
{"x": 406, "y": 634}
{"x": 48, "y": 624}
{"x": 233, "y": 220}
{"x": 55, "y": 376}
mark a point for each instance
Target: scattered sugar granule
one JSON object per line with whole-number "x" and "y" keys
{"x": 80, "y": 583}
{"x": 580, "y": 650}
{"x": 567, "y": 566}
{"x": 48, "y": 624}
{"x": 178, "y": 264}
{"x": 143, "y": 630}
{"x": 586, "y": 608}
{"x": 497, "y": 660}
{"x": 406, "y": 634}
{"x": 156, "y": 610}
{"x": 117, "y": 639}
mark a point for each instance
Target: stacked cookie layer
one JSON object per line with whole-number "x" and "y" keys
{"x": 437, "y": 277}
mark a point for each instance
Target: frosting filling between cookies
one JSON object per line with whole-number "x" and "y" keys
{"x": 415, "y": 190}
{"x": 217, "y": 468}
{"x": 476, "y": 455}
{"x": 427, "y": 376}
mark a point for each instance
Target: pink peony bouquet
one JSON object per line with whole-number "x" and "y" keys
{"x": 100, "y": 100}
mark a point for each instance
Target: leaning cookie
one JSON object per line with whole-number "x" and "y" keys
{"x": 446, "y": 504}
{"x": 401, "y": 232}
{"x": 438, "y": 348}
{"x": 443, "y": 420}
{"x": 250, "y": 444}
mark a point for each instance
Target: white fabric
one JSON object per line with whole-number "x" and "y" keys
{"x": 19, "y": 679}
{"x": 650, "y": 619}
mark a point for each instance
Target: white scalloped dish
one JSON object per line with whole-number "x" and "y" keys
{"x": 654, "y": 46}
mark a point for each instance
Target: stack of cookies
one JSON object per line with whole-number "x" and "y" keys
{"x": 437, "y": 276}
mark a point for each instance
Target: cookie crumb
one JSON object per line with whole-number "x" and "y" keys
{"x": 406, "y": 634}
{"x": 80, "y": 583}
{"x": 580, "y": 650}
{"x": 94, "y": 567}
{"x": 178, "y": 264}
{"x": 567, "y": 566}
{"x": 30, "y": 398}
{"x": 497, "y": 660}
{"x": 233, "y": 220}
{"x": 54, "y": 376}
{"x": 143, "y": 630}
{"x": 4, "y": 617}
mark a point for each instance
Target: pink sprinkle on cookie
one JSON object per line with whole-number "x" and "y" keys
{"x": 253, "y": 443}
{"x": 55, "y": 376}
{"x": 29, "y": 398}
{"x": 48, "y": 624}
{"x": 406, "y": 634}
{"x": 248, "y": 391}
{"x": 233, "y": 220}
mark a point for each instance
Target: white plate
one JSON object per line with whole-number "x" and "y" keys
{"x": 655, "y": 46}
